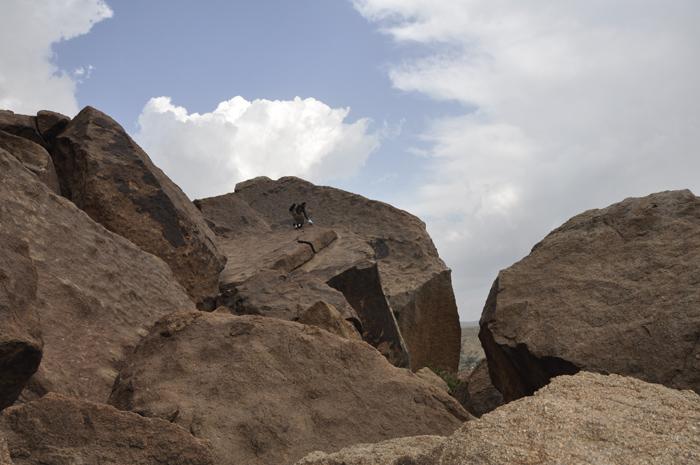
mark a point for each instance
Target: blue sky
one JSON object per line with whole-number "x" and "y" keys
{"x": 492, "y": 120}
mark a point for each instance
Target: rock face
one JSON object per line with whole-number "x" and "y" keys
{"x": 107, "y": 175}
{"x": 613, "y": 290}
{"x": 33, "y": 156}
{"x": 58, "y": 430}
{"x": 325, "y": 316}
{"x": 580, "y": 420}
{"x": 583, "y": 419}
{"x": 392, "y": 452}
{"x": 258, "y": 388}
{"x": 476, "y": 393}
{"x": 254, "y": 220}
{"x": 20, "y": 335}
{"x": 428, "y": 375}
{"x": 21, "y": 125}
{"x": 95, "y": 291}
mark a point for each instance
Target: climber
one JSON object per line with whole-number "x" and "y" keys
{"x": 299, "y": 215}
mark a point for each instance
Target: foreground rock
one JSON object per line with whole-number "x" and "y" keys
{"x": 20, "y": 334}
{"x": 107, "y": 175}
{"x": 575, "y": 420}
{"x": 400, "y": 451}
{"x": 95, "y": 291}
{"x": 613, "y": 290}
{"x": 58, "y": 430}
{"x": 414, "y": 280}
{"x": 267, "y": 391}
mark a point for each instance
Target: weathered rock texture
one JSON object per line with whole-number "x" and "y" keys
{"x": 21, "y": 125}
{"x": 95, "y": 291}
{"x": 581, "y": 420}
{"x": 20, "y": 335}
{"x": 429, "y": 376}
{"x": 58, "y": 430}
{"x": 614, "y": 290}
{"x": 33, "y": 156}
{"x": 391, "y": 452}
{"x": 325, "y": 316}
{"x": 476, "y": 392}
{"x": 106, "y": 174}
{"x": 254, "y": 221}
{"x": 268, "y": 391}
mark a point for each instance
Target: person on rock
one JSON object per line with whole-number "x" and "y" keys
{"x": 298, "y": 212}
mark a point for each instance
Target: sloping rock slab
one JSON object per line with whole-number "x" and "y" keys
{"x": 20, "y": 334}
{"x": 414, "y": 279}
{"x": 581, "y": 420}
{"x": 33, "y": 156}
{"x": 326, "y": 316}
{"x": 106, "y": 174}
{"x": 58, "y": 430}
{"x": 95, "y": 290}
{"x": 267, "y": 391}
{"x": 615, "y": 290}
{"x": 392, "y": 452}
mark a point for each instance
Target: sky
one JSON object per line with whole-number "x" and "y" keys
{"x": 494, "y": 121}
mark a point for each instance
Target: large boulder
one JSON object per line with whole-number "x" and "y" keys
{"x": 95, "y": 291}
{"x": 20, "y": 334}
{"x": 33, "y": 156}
{"x": 268, "y": 391}
{"x": 106, "y": 174}
{"x": 413, "y": 278}
{"x": 581, "y": 420}
{"x": 576, "y": 420}
{"x": 58, "y": 430}
{"x": 615, "y": 290}
{"x": 21, "y": 125}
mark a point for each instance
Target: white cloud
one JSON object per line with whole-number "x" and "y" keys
{"x": 569, "y": 105}
{"x": 29, "y": 79}
{"x": 207, "y": 154}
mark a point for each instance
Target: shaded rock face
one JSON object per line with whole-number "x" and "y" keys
{"x": 20, "y": 335}
{"x": 414, "y": 280}
{"x": 258, "y": 388}
{"x": 612, "y": 290}
{"x": 362, "y": 288}
{"x": 33, "y": 156}
{"x": 392, "y": 452}
{"x": 57, "y": 430}
{"x": 95, "y": 291}
{"x": 476, "y": 392}
{"x": 107, "y": 175}
{"x": 579, "y": 420}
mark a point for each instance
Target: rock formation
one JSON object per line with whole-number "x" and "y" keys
{"x": 104, "y": 172}
{"x": 95, "y": 291}
{"x": 59, "y": 430}
{"x": 254, "y": 221}
{"x": 325, "y": 316}
{"x": 33, "y": 156}
{"x": 267, "y": 391}
{"x": 476, "y": 392}
{"x": 20, "y": 334}
{"x": 575, "y": 420}
{"x": 613, "y": 290}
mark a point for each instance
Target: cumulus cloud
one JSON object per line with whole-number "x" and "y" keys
{"x": 207, "y": 154}
{"x": 29, "y": 79}
{"x": 568, "y": 105}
